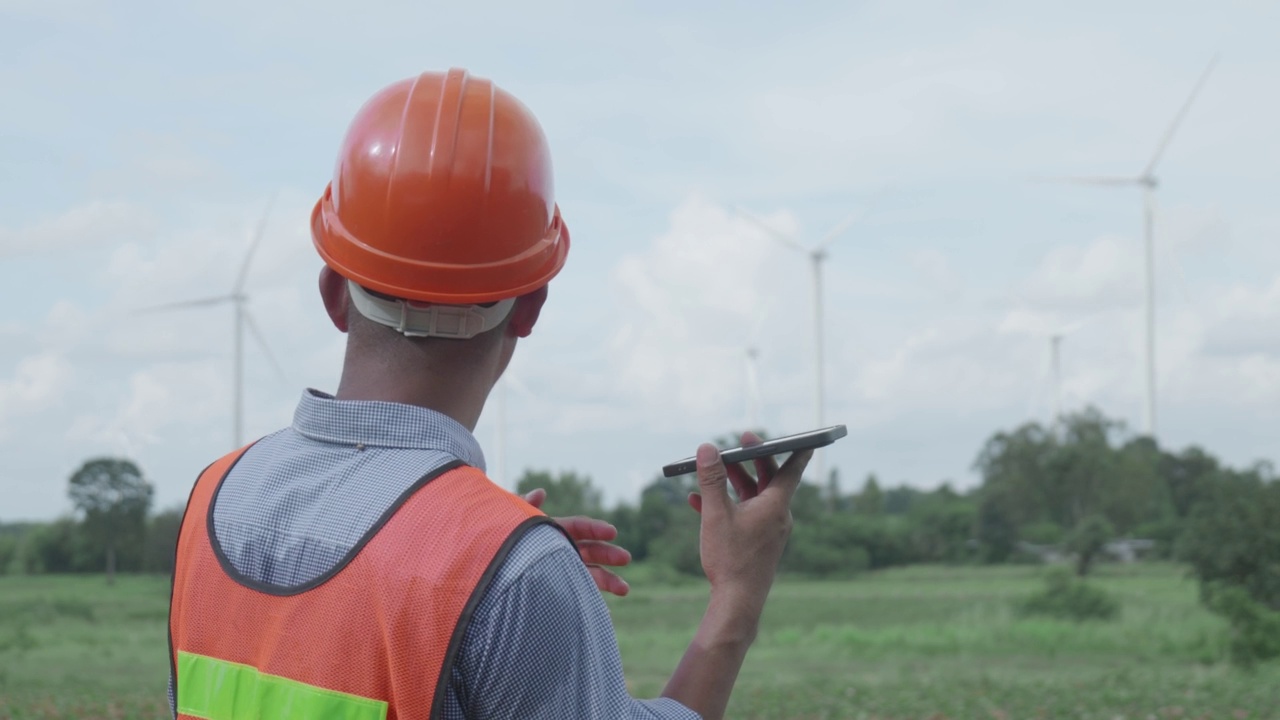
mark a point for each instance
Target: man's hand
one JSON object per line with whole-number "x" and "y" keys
{"x": 593, "y": 538}
{"x": 742, "y": 542}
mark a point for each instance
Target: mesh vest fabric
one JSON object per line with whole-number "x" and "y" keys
{"x": 376, "y": 626}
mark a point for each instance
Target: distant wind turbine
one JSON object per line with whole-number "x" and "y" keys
{"x": 238, "y": 298}
{"x": 817, "y": 254}
{"x": 754, "y": 401}
{"x": 1055, "y": 355}
{"x": 1148, "y": 182}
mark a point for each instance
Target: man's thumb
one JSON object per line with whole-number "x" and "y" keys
{"x": 713, "y": 479}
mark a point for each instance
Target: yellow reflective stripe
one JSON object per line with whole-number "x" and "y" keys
{"x": 219, "y": 690}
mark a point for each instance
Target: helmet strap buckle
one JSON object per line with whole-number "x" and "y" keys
{"x": 458, "y": 322}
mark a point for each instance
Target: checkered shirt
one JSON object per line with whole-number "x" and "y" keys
{"x": 541, "y": 642}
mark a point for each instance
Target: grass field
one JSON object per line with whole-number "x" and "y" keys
{"x": 915, "y": 643}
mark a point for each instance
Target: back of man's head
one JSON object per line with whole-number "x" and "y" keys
{"x": 441, "y": 211}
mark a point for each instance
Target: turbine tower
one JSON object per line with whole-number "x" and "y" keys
{"x": 1148, "y": 181}
{"x": 817, "y": 255}
{"x": 238, "y": 299}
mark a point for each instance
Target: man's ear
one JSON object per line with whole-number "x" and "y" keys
{"x": 333, "y": 290}
{"x": 525, "y": 314}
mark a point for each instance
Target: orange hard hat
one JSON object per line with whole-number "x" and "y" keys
{"x": 443, "y": 193}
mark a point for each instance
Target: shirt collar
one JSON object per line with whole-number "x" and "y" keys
{"x": 370, "y": 423}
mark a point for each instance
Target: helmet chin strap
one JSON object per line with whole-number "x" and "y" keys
{"x": 459, "y": 322}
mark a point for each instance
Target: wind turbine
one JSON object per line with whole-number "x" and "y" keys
{"x": 1148, "y": 181}
{"x": 754, "y": 401}
{"x": 817, "y": 255}
{"x": 238, "y": 299}
{"x": 1055, "y": 358}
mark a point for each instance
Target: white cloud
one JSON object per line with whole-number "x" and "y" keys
{"x": 1244, "y": 320}
{"x": 98, "y": 224}
{"x": 39, "y": 383}
{"x": 690, "y": 304}
{"x": 1104, "y": 273}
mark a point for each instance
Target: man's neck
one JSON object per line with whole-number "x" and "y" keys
{"x": 461, "y": 395}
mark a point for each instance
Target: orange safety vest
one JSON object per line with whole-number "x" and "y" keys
{"x": 375, "y": 638}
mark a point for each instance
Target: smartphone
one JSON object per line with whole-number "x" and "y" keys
{"x": 777, "y": 446}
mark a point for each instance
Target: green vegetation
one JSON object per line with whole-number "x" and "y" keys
{"x": 1066, "y": 598}
{"x": 920, "y": 642}
{"x": 895, "y": 602}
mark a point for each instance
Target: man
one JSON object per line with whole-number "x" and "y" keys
{"x": 358, "y": 564}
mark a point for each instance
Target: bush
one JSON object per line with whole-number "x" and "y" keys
{"x": 8, "y": 551}
{"x": 1164, "y": 532}
{"x": 1232, "y": 536}
{"x": 811, "y": 551}
{"x": 1087, "y": 541}
{"x": 1066, "y": 598}
{"x": 1255, "y": 630}
{"x": 1042, "y": 533}
{"x": 678, "y": 548}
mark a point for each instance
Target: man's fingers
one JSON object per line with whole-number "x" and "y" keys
{"x": 713, "y": 480}
{"x": 788, "y": 477}
{"x": 742, "y": 482}
{"x": 536, "y": 497}
{"x": 584, "y": 528}
{"x": 695, "y": 502}
{"x": 599, "y": 552}
{"x": 608, "y": 581}
{"x": 766, "y": 467}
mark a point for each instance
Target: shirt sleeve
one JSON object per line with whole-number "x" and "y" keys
{"x": 541, "y": 644}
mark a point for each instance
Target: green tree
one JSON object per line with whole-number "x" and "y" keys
{"x": 835, "y": 502}
{"x": 61, "y": 546}
{"x": 114, "y": 498}
{"x": 1136, "y": 493}
{"x": 942, "y": 528}
{"x": 996, "y": 525}
{"x": 567, "y": 493}
{"x": 1233, "y": 535}
{"x": 871, "y": 500}
{"x": 808, "y": 505}
{"x": 900, "y": 500}
{"x": 162, "y": 541}
{"x": 1088, "y": 540}
{"x": 1189, "y": 476}
{"x": 8, "y": 551}
{"x": 663, "y": 503}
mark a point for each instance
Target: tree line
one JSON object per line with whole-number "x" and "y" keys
{"x": 112, "y": 529}
{"x": 1070, "y": 489}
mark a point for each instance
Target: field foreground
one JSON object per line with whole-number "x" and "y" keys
{"x": 927, "y": 643}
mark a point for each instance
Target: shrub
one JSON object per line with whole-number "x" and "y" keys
{"x": 1067, "y": 598}
{"x": 1042, "y": 533}
{"x": 1255, "y": 630}
{"x": 812, "y": 552}
{"x": 8, "y": 551}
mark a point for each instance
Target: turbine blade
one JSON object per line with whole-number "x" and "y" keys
{"x": 776, "y": 235}
{"x": 839, "y": 230}
{"x": 518, "y": 385}
{"x": 848, "y": 222}
{"x": 1090, "y": 180}
{"x": 1069, "y": 328}
{"x": 202, "y": 302}
{"x": 1177, "y": 120}
{"x": 262, "y": 342}
{"x": 253, "y": 246}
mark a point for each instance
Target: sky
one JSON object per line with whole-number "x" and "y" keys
{"x": 142, "y": 142}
